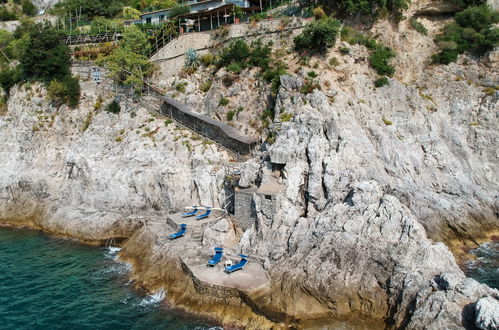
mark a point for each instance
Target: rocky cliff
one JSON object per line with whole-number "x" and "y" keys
{"x": 374, "y": 190}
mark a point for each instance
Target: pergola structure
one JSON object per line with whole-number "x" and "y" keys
{"x": 212, "y": 18}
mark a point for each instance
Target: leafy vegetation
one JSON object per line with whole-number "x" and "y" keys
{"x": 65, "y": 91}
{"x": 370, "y": 7}
{"x": 418, "y": 26}
{"x": 128, "y": 64}
{"x": 179, "y": 10}
{"x": 15, "y": 9}
{"x": 380, "y": 54}
{"x": 380, "y": 82}
{"x": 113, "y": 107}
{"x": 319, "y": 35}
{"x": 88, "y": 9}
{"x": 41, "y": 56}
{"x": 223, "y": 102}
{"x": 473, "y": 31}
{"x": 191, "y": 59}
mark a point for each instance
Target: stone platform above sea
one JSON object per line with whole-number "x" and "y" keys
{"x": 252, "y": 280}
{"x": 176, "y": 219}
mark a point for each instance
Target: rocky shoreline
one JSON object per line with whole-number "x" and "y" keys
{"x": 357, "y": 206}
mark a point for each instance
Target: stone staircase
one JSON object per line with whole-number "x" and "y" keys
{"x": 197, "y": 234}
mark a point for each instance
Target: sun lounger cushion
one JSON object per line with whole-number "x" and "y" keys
{"x": 204, "y": 215}
{"x": 239, "y": 265}
{"x": 217, "y": 257}
{"x": 181, "y": 232}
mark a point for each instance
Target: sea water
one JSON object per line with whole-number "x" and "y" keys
{"x": 485, "y": 269}
{"x": 50, "y": 283}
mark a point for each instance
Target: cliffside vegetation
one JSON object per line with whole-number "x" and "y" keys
{"x": 34, "y": 52}
{"x": 129, "y": 63}
{"x": 473, "y": 31}
{"x": 14, "y": 9}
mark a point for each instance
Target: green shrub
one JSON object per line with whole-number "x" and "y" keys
{"x": 260, "y": 54}
{"x": 181, "y": 86}
{"x": 319, "y": 35}
{"x": 379, "y": 60}
{"x": 205, "y": 86}
{"x": 3, "y": 105}
{"x": 284, "y": 117}
{"x": 387, "y": 122}
{"x": 308, "y": 86}
{"x": 380, "y": 82}
{"x": 370, "y": 7}
{"x": 234, "y": 67}
{"x": 66, "y": 91}
{"x": 98, "y": 103}
{"x": 312, "y": 74}
{"x": 8, "y": 78}
{"x": 45, "y": 58}
{"x": 237, "y": 52}
{"x": 319, "y": 13}
{"x": 179, "y": 10}
{"x": 345, "y": 50}
{"x": 113, "y": 107}
{"x": 28, "y": 8}
{"x": 223, "y": 102}
{"x": 418, "y": 26}
{"x": 7, "y": 15}
{"x": 230, "y": 115}
{"x": 334, "y": 61}
{"x": 207, "y": 59}
{"x": 273, "y": 75}
{"x": 473, "y": 32}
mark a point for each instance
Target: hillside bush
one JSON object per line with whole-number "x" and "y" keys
{"x": 418, "y": 26}
{"x": 380, "y": 82}
{"x": 65, "y": 91}
{"x": 370, "y": 7}
{"x": 8, "y": 78}
{"x": 28, "y": 8}
{"x": 380, "y": 60}
{"x": 473, "y": 31}
{"x": 113, "y": 107}
{"x": 179, "y": 10}
{"x": 89, "y": 8}
{"x": 380, "y": 55}
{"x": 45, "y": 58}
{"x": 319, "y": 35}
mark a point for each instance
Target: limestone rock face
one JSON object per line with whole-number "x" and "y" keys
{"x": 487, "y": 313}
{"x": 355, "y": 190}
{"x": 99, "y": 172}
{"x": 374, "y": 179}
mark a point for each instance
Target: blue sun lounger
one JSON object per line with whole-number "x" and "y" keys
{"x": 181, "y": 232}
{"x": 204, "y": 215}
{"x": 219, "y": 252}
{"x": 190, "y": 214}
{"x": 239, "y": 265}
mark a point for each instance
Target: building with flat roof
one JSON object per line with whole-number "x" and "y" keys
{"x": 204, "y": 15}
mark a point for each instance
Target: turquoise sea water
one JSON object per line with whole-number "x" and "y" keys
{"x": 485, "y": 268}
{"x": 48, "y": 283}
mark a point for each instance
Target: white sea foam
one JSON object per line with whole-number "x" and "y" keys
{"x": 153, "y": 299}
{"x": 113, "y": 249}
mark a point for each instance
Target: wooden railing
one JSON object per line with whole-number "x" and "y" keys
{"x": 81, "y": 39}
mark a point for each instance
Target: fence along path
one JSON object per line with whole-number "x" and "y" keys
{"x": 81, "y": 39}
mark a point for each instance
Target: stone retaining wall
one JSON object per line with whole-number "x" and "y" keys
{"x": 205, "y": 126}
